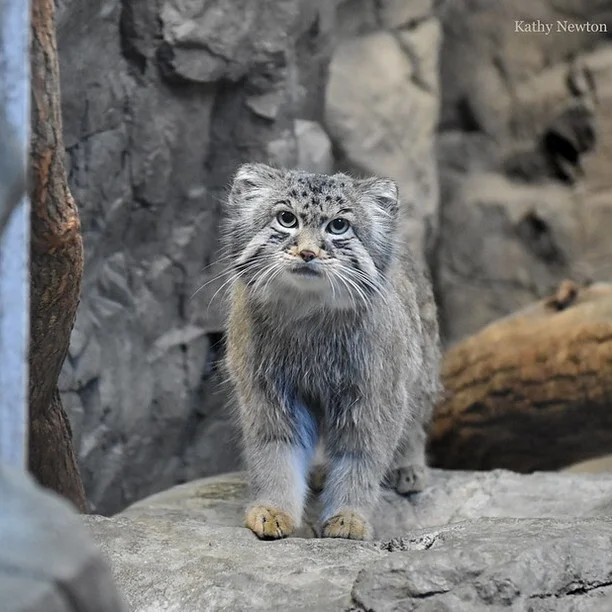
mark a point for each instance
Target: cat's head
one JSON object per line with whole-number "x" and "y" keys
{"x": 326, "y": 239}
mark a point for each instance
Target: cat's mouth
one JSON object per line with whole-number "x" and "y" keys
{"x": 305, "y": 270}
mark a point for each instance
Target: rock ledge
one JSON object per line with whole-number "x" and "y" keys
{"x": 472, "y": 541}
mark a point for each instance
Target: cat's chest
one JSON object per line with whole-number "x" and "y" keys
{"x": 316, "y": 360}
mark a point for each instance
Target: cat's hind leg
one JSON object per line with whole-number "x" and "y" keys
{"x": 409, "y": 472}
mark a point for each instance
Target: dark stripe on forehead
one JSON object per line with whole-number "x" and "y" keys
{"x": 309, "y": 217}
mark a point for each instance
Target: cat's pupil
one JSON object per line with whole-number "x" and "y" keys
{"x": 287, "y": 219}
{"x": 338, "y": 226}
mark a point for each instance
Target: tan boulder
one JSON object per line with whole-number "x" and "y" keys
{"x": 532, "y": 390}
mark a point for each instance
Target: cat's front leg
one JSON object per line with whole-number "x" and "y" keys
{"x": 359, "y": 455}
{"x": 278, "y": 445}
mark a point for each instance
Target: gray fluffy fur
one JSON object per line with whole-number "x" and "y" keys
{"x": 348, "y": 358}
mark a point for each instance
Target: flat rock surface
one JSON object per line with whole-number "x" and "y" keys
{"x": 472, "y": 541}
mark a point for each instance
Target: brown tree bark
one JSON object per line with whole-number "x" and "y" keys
{"x": 56, "y": 269}
{"x": 532, "y": 391}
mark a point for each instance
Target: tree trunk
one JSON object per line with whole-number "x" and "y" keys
{"x": 532, "y": 391}
{"x": 56, "y": 268}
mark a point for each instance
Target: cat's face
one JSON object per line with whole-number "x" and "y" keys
{"x": 327, "y": 239}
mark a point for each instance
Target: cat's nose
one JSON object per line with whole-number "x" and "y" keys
{"x": 307, "y": 255}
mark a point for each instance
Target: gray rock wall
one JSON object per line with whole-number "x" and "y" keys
{"x": 524, "y": 155}
{"x": 162, "y": 100}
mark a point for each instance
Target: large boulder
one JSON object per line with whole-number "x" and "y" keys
{"x": 470, "y": 542}
{"x": 532, "y": 390}
{"x": 524, "y": 151}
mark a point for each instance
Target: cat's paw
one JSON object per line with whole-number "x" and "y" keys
{"x": 409, "y": 479}
{"x": 269, "y": 523}
{"x": 347, "y": 524}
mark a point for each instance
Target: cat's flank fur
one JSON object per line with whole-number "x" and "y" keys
{"x": 332, "y": 339}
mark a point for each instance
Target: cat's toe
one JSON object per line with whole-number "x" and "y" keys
{"x": 410, "y": 479}
{"x": 269, "y": 523}
{"x": 348, "y": 525}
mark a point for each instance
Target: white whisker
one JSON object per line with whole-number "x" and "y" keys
{"x": 370, "y": 283}
{"x": 212, "y": 280}
{"x": 350, "y": 284}
{"x": 232, "y": 279}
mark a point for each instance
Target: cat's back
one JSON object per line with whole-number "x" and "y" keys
{"x": 413, "y": 283}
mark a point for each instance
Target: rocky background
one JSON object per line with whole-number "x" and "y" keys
{"x": 501, "y": 142}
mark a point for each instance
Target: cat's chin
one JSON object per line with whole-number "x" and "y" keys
{"x": 307, "y": 271}
{"x": 302, "y": 292}
{"x": 304, "y": 279}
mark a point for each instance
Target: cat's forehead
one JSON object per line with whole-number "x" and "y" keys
{"x": 319, "y": 193}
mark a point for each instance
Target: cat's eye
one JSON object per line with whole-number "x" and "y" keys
{"x": 338, "y": 226}
{"x": 287, "y": 219}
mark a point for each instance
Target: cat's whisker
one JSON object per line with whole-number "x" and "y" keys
{"x": 350, "y": 292}
{"x": 361, "y": 276}
{"x": 219, "y": 259}
{"x": 267, "y": 275}
{"x": 232, "y": 279}
{"x": 235, "y": 274}
{"x": 236, "y": 268}
{"x": 356, "y": 289}
{"x": 218, "y": 277}
{"x": 359, "y": 280}
{"x": 210, "y": 281}
{"x": 278, "y": 271}
{"x": 259, "y": 277}
{"x": 330, "y": 278}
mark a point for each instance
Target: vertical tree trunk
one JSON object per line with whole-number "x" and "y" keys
{"x": 56, "y": 268}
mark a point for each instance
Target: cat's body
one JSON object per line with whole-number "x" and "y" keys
{"x": 351, "y": 362}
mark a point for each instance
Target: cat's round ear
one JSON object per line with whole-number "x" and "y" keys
{"x": 383, "y": 192}
{"x": 251, "y": 178}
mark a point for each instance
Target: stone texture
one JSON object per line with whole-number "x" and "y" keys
{"x": 381, "y": 110}
{"x": 524, "y": 140}
{"x": 48, "y": 560}
{"x": 314, "y": 147}
{"x": 490, "y": 564}
{"x": 472, "y": 541}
